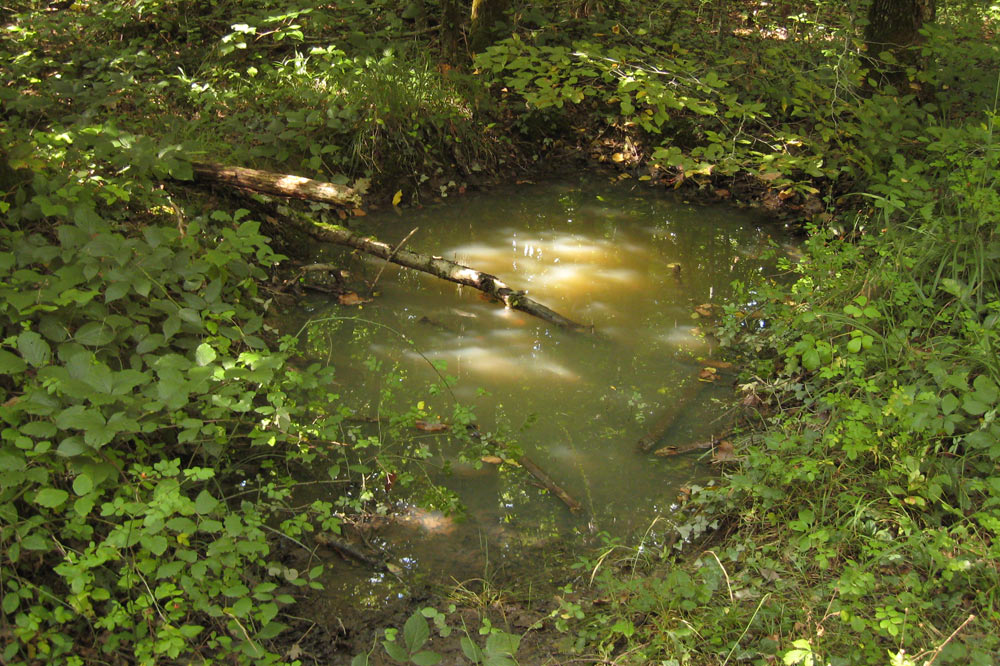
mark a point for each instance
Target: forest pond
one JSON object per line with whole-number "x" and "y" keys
{"x": 642, "y": 267}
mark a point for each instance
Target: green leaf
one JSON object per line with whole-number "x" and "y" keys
{"x": 142, "y": 286}
{"x": 986, "y": 390}
{"x": 11, "y": 364}
{"x": 180, "y": 170}
{"x": 51, "y": 497}
{"x": 80, "y": 418}
{"x": 396, "y": 651}
{"x": 425, "y": 658}
{"x": 802, "y": 654}
{"x": 12, "y": 461}
{"x": 502, "y": 643}
{"x": 854, "y": 345}
{"x": 83, "y": 484}
{"x": 360, "y": 659}
{"x": 170, "y": 569}
{"x": 149, "y": 343}
{"x": 116, "y": 290}
{"x": 83, "y": 506}
{"x": 34, "y": 348}
{"x": 192, "y": 630}
{"x": 243, "y": 607}
{"x": 40, "y": 429}
{"x": 472, "y": 651}
{"x": 270, "y": 630}
{"x": 416, "y": 632}
{"x": 69, "y": 417}
{"x": 810, "y": 359}
{"x": 171, "y": 325}
{"x": 204, "y": 354}
{"x": 205, "y": 503}
{"x": 94, "y": 334}
{"x": 190, "y": 315}
{"x": 852, "y": 311}
{"x": 156, "y": 543}
{"x": 73, "y": 446}
{"x": 100, "y": 377}
{"x": 948, "y": 403}
{"x": 973, "y": 406}
{"x": 10, "y": 603}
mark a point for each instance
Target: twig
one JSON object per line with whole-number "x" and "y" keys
{"x": 937, "y": 651}
{"x": 389, "y": 258}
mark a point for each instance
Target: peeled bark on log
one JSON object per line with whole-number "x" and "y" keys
{"x": 283, "y": 185}
{"x": 688, "y": 392}
{"x": 439, "y": 267}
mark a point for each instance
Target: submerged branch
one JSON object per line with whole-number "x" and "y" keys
{"x": 529, "y": 465}
{"x": 670, "y": 414}
{"x": 550, "y": 485}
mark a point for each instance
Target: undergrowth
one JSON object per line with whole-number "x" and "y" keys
{"x": 861, "y": 524}
{"x": 154, "y": 428}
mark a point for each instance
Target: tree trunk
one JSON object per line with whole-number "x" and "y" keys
{"x": 487, "y": 18}
{"x": 894, "y": 29}
{"x": 451, "y": 30}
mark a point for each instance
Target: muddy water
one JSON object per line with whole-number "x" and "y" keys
{"x": 633, "y": 264}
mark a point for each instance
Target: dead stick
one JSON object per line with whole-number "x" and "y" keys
{"x": 546, "y": 480}
{"x": 535, "y": 471}
{"x": 375, "y": 281}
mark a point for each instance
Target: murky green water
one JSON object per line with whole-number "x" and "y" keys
{"x": 599, "y": 253}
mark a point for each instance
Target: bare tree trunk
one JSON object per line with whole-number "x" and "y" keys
{"x": 486, "y": 15}
{"x": 451, "y": 30}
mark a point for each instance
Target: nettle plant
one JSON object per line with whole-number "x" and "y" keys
{"x": 135, "y": 386}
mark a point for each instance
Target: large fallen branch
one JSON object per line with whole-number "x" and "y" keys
{"x": 283, "y": 185}
{"x": 314, "y": 190}
{"x": 438, "y": 267}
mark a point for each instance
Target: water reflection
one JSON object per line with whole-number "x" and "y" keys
{"x": 633, "y": 264}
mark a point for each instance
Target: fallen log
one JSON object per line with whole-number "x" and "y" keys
{"x": 438, "y": 267}
{"x": 298, "y": 187}
{"x": 688, "y": 392}
{"x": 284, "y": 185}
